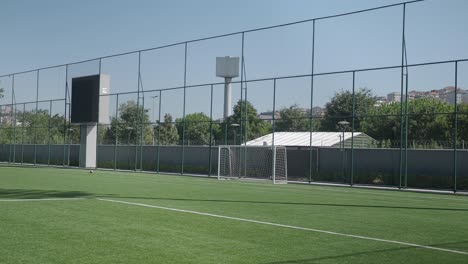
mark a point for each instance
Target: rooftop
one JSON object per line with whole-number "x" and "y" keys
{"x": 319, "y": 139}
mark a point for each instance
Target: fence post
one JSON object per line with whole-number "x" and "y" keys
{"x": 65, "y": 129}
{"x": 37, "y": 106}
{"x": 311, "y": 115}
{"x": 136, "y": 126}
{"x": 211, "y": 131}
{"x": 116, "y": 131}
{"x": 13, "y": 119}
{"x": 22, "y": 136}
{"x": 183, "y": 111}
{"x": 49, "y": 133}
{"x": 455, "y": 137}
{"x": 352, "y": 130}
{"x": 401, "y": 95}
{"x": 159, "y": 131}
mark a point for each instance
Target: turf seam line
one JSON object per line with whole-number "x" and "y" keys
{"x": 394, "y": 194}
{"x": 39, "y": 199}
{"x": 287, "y": 226}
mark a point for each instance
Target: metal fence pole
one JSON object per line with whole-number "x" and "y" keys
{"x": 246, "y": 117}
{"x": 97, "y": 125}
{"x": 273, "y": 157}
{"x": 116, "y": 142}
{"x": 183, "y": 111}
{"x": 311, "y": 103}
{"x": 244, "y": 110}
{"x": 406, "y": 126}
{"x": 14, "y": 133}
{"x": 143, "y": 124}
{"x": 159, "y": 132}
{"x": 13, "y": 120}
{"x": 22, "y": 135}
{"x": 65, "y": 129}
{"x": 401, "y": 96}
{"x": 241, "y": 125}
{"x": 211, "y": 131}
{"x": 273, "y": 116}
{"x": 35, "y": 126}
{"x": 137, "y": 112}
{"x": 352, "y": 129}
{"x": 455, "y": 137}
{"x": 49, "y": 133}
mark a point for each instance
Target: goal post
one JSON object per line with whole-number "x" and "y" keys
{"x": 253, "y": 162}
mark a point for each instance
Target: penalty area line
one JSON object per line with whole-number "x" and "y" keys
{"x": 287, "y": 226}
{"x": 40, "y": 199}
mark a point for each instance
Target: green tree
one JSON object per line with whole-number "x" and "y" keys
{"x": 197, "y": 128}
{"x": 293, "y": 119}
{"x": 383, "y": 123}
{"x": 428, "y": 122}
{"x": 255, "y": 126}
{"x": 37, "y": 127}
{"x": 34, "y": 125}
{"x": 462, "y": 125}
{"x": 341, "y": 108}
{"x": 169, "y": 134}
{"x": 132, "y": 121}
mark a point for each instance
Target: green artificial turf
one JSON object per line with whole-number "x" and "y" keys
{"x": 96, "y": 231}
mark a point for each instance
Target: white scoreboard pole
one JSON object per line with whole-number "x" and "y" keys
{"x": 88, "y": 131}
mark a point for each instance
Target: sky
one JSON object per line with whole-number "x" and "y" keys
{"x": 36, "y": 34}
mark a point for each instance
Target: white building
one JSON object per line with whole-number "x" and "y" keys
{"x": 319, "y": 139}
{"x": 393, "y": 97}
{"x": 449, "y": 97}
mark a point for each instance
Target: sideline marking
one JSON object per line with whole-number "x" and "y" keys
{"x": 285, "y": 226}
{"x": 39, "y": 199}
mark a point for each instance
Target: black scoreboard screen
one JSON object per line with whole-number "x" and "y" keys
{"x": 85, "y": 99}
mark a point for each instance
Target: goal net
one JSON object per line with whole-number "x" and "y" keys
{"x": 255, "y": 162}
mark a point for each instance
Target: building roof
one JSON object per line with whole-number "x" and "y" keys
{"x": 319, "y": 139}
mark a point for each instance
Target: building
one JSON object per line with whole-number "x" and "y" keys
{"x": 465, "y": 98}
{"x": 319, "y": 139}
{"x": 394, "y": 97}
{"x": 5, "y": 115}
{"x": 318, "y": 111}
{"x": 268, "y": 116}
{"x": 380, "y": 100}
{"x": 450, "y": 98}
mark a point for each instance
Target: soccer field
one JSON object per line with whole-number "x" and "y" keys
{"x": 71, "y": 216}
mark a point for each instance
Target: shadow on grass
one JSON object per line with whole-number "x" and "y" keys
{"x": 292, "y": 203}
{"x": 362, "y": 253}
{"x": 39, "y": 194}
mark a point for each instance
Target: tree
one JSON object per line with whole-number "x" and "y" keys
{"x": 132, "y": 121}
{"x": 341, "y": 108}
{"x": 37, "y": 127}
{"x": 255, "y": 126}
{"x": 428, "y": 122}
{"x": 462, "y": 125}
{"x": 293, "y": 119}
{"x": 168, "y": 135}
{"x": 197, "y": 128}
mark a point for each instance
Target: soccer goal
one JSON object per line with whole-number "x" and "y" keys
{"x": 254, "y": 162}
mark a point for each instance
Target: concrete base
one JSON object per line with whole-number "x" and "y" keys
{"x": 88, "y": 146}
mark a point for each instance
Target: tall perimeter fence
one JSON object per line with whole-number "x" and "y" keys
{"x": 166, "y": 106}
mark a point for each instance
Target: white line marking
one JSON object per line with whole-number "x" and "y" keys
{"x": 39, "y": 199}
{"x": 286, "y": 226}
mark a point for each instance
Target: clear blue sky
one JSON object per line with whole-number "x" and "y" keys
{"x": 37, "y": 34}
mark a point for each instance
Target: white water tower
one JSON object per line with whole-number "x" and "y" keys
{"x": 227, "y": 68}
